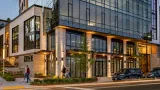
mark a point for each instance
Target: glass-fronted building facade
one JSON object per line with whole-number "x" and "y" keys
{"x": 111, "y": 23}
{"x": 130, "y": 18}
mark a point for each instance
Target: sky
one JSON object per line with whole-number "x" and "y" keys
{"x": 9, "y": 8}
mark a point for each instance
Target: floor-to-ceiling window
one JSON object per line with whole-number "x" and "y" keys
{"x": 116, "y": 64}
{"x": 100, "y": 66}
{"x": 32, "y": 33}
{"x": 131, "y": 63}
{"x": 15, "y": 39}
{"x": 99, "y": 44}
{"x": 75, "y": 69}
{"x": 74, "y": 40}
{"x": 131, "y": 48}
{"x": 129, "y": 18}
{"x": 116, "y": 46}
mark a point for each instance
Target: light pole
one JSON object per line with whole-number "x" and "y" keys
{"x": 4, "y": 54}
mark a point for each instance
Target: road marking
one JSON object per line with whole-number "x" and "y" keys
{"x": 13, "y": 87}
{"x": 77, "y": 88}
{"x": 127, "y": 85}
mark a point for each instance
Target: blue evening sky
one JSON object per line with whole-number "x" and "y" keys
{"x": 9, "y": 8}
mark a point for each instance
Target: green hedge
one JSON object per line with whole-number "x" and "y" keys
{"x": 8, "y": 77}
{"x": 62, "y": 81}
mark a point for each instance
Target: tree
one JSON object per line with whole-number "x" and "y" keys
{"x": 8, "y": 19}
{"x": 83, "y": 57}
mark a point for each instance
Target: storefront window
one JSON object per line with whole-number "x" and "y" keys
{"x": 117, "y": 46}
{"x": 99, "y": 44}
{"x": 74, "y": 40}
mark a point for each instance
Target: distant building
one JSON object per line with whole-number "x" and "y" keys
{"x": 23, "y": 5}
{"x": 3, "y": 23}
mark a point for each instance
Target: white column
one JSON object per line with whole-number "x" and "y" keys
{"x": 63, "y": 47}
{"x": 60, "y": 41}
{"x": 89, "y": 40}
{"x": 57, "y": 52}
{"x": 109, "y": 57}
{"x": 137, "y": 53}
{"x": 125, "y": 52}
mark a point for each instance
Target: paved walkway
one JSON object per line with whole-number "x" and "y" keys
{"x": 19, "y": 83}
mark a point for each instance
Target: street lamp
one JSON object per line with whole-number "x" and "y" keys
{"x": 147, "y": 37}
{"x": 5, "y": 44}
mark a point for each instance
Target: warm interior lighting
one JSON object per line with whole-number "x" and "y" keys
{"x": 91, "y": 24}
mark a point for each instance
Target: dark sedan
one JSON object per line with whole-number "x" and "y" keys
{"x": 127, "y": 73}
{"x": 155, "y": 73}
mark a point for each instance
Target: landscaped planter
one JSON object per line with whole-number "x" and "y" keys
{"x": 63, "y": 81}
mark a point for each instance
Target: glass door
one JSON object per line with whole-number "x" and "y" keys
{"x": 100, "y": 67}
{"x": 116, "y": 64}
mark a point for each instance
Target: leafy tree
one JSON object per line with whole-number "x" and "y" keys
{"x": 82, "y": 56}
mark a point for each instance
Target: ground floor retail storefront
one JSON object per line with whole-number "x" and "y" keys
{"x": 110, "y": 54}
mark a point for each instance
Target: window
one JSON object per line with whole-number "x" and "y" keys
{"x": 28, "y": 58}
{"x": 51, "y": 41}
{"x": 131, "y": 48}
{"x": 74, "y": 68}
{"x": 15, "y": 39}
{"x": 74, "y": 40}
{"x": 32, "y": 33}
{"x": 1, "y": 46}
{"x": 99, "y": 44}
{"x": 117, "y": 46}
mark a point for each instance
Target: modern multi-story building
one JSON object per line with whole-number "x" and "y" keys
{"x": 45, "y": 38}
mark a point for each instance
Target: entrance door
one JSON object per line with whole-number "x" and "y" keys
{"x": 99, "y": 68}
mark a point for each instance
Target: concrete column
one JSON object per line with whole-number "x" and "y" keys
{"x": 109, "y": 57}
{"x": 89, "y": 40}
{"x": 137, "y": 53}
{"x": 125, "y": 52}
{"x": 60, "y": 41}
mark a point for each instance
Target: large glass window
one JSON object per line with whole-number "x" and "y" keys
{"x": 118, "y": 16}
{"x": 51, "y": 41}
{"x": 74, "y": 40}
{"x": 131, "y": 48}
{"x": 15, "y": 39}
{"x": 32, "y": 33}
{"x": 154, "y": 19}
{"x": 116, "y": 64}
{"x": 75, "y": 69}
{"x": 117, "y": 46}
{"x": 99, "y": 44}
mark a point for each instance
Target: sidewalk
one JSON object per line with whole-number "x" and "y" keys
{"x": 21, "y": 84}
{"x": 18, "y": 83}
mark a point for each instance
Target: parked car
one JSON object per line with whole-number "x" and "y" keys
{"x": 127, "y": 73}
{"x": 154, "y": 73}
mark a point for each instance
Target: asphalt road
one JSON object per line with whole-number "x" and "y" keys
{"x": 138, "y": 86}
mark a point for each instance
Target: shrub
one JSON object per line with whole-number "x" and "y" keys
{"x": 8, "y": 77}
{"x": 38, "y": 75}
{"x": 62, "y": 81}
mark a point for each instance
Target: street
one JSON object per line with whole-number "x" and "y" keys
{"x": 119, "y": 86}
